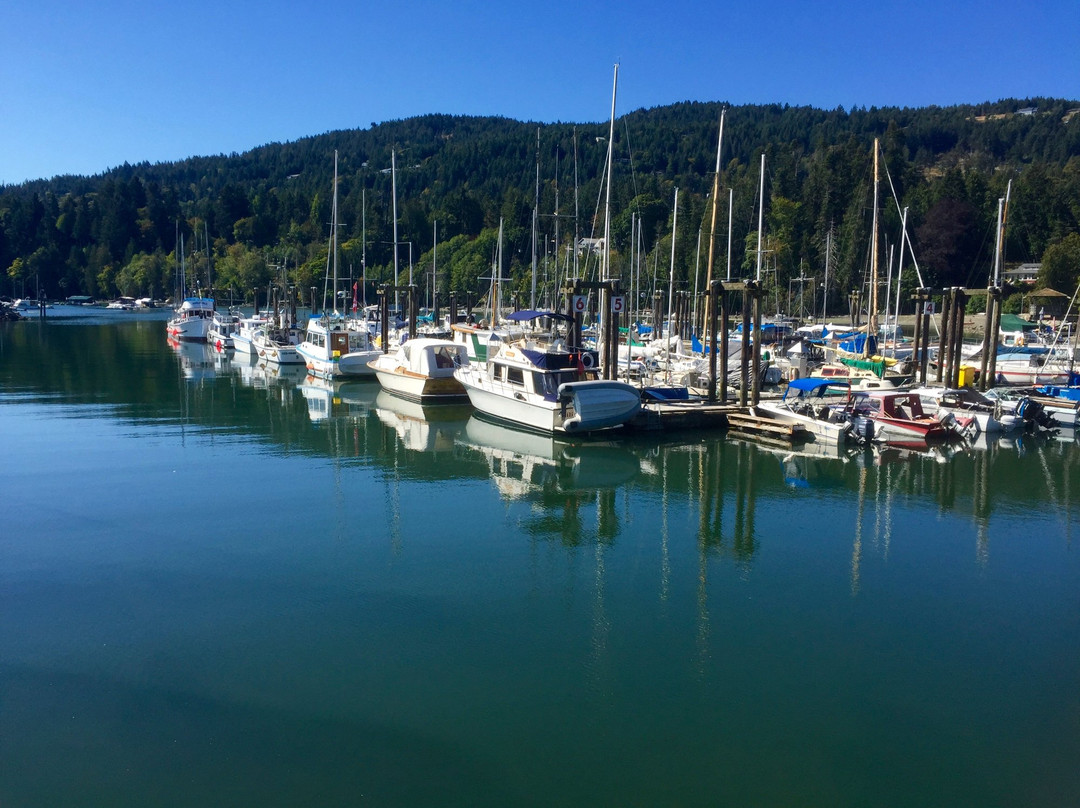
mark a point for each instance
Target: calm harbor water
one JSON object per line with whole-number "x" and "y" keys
{"x": 225, "y": 586}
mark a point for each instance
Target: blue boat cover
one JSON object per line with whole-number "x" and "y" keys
{"x": 811, "y": 383}
{"x": 530, "y": 314}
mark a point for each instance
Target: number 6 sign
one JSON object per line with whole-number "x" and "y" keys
{"x": 581, "y": 302}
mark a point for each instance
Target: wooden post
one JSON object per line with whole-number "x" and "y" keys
{"x": 722, "y": 338}
{"x": 744, "y": 360}
{"x": 917, "y": 337}
{"x": 988, "y": 322}
{"x": 924, "y": 315}
{"x": 946, "y": 308}
{"x": 959, "y": 305}
{"x": 756, "y": 356}
{"x": 995, "y": 330}
{"x": 384, "y": 319}
{"x": 710, "y": 341}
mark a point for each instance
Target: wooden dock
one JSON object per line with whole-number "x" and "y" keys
{"x": 679, "y": 415}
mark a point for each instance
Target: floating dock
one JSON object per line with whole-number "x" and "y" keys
{"x": 677, "y": 415}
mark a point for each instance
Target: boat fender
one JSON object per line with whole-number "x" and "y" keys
{"x": 587, "y": 360}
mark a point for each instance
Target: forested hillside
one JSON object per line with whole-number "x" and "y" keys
{"x": 457, "y": 177}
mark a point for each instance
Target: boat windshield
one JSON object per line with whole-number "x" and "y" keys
{"x": 548, "y": 383}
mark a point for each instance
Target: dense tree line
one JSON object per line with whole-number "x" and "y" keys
{"x": 249, "y": 219}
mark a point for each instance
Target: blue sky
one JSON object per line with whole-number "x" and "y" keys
{"x": 87, "y": 86}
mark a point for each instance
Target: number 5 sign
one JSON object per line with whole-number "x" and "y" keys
{"x": 618, "y": 303}
{"x": 581, "y": 303}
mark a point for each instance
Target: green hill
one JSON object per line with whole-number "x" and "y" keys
{"x": 116, "y": 233}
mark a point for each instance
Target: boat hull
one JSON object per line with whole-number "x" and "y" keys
{"x": 579, "y": 407}
{"x": 830, "y": 433}
{"x": 424, "y": 389}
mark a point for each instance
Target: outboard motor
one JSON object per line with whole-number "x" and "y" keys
{"x": 862, "y": 428}
{"x": 1035, "y": 413}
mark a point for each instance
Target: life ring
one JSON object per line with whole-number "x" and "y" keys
{"x": 587, "y": 360}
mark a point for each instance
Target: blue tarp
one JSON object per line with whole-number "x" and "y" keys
{"x": 530, "y": 314}
{"x": 857, "y": 344}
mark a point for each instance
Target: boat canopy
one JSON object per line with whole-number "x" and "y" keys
{"x": 531, "y": 314}
{"x": 808, "y": 384}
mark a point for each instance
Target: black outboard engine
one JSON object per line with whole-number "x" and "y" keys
{"x": 1035, "y": 414}
{"x": 862, "y": 428}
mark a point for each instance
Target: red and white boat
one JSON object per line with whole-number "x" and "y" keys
{"x": 900, "y": 416}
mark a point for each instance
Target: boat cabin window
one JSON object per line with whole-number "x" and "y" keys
{"x": 443, "y": 358}
{"x": 515, "y": 376}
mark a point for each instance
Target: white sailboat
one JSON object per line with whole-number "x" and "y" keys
{"x": 332, "y": 349}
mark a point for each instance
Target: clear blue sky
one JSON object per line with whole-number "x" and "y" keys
{"x": 87, "y": 86}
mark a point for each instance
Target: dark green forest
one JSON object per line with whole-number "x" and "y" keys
{"x": 267, "y": 211}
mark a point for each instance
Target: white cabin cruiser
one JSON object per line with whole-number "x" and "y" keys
{"x": 547, "y": 387}
{"x": 423, "y": 370}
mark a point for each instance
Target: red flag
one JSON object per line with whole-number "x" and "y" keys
{"x": 354, "y": 297}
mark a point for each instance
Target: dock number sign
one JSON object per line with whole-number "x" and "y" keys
{"x": 618, "y": 303}
{"x": 581, "y": 303}
{"x": 928, "y": 307}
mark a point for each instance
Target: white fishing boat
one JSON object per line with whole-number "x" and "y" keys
{"x": 277, "y": 345}
{"x": 334, "y": 347}
{"x": 333, "y": 350}
{"x": 423, "y": 370}
{"x": 245, "y": 329}
{"x": 548, "y": 387}
{"x": 219, "y": 332}
{"x": 808, "y": 402}
{"x": 192, "y": 320}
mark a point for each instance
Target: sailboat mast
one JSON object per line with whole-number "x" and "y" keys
{"x": 1003, "y": 213}
{"x": 607, "y": 200}
{"x": 871, "y": 320}
{"x": 498, "y": 278}
{"x": 761, "y": 218}
{"x": 535, "y": 222}
{"x": 712, "y": 228}
{"x": 363, "y": 244}
{"x": 393, "y": 193}
{"x": 333, "y": 232}
{"x": 671, "y": 271}
{"x": 825, "y": 286}
{"x": 899, "y": 275}
{"x": 730, "y": 219}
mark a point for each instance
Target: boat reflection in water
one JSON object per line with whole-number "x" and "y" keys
{"x": 422, "y": 427}
{"x": 528, "y": 464}
{"x": 337, "y": 398}
{"x": 196, "y": 362}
